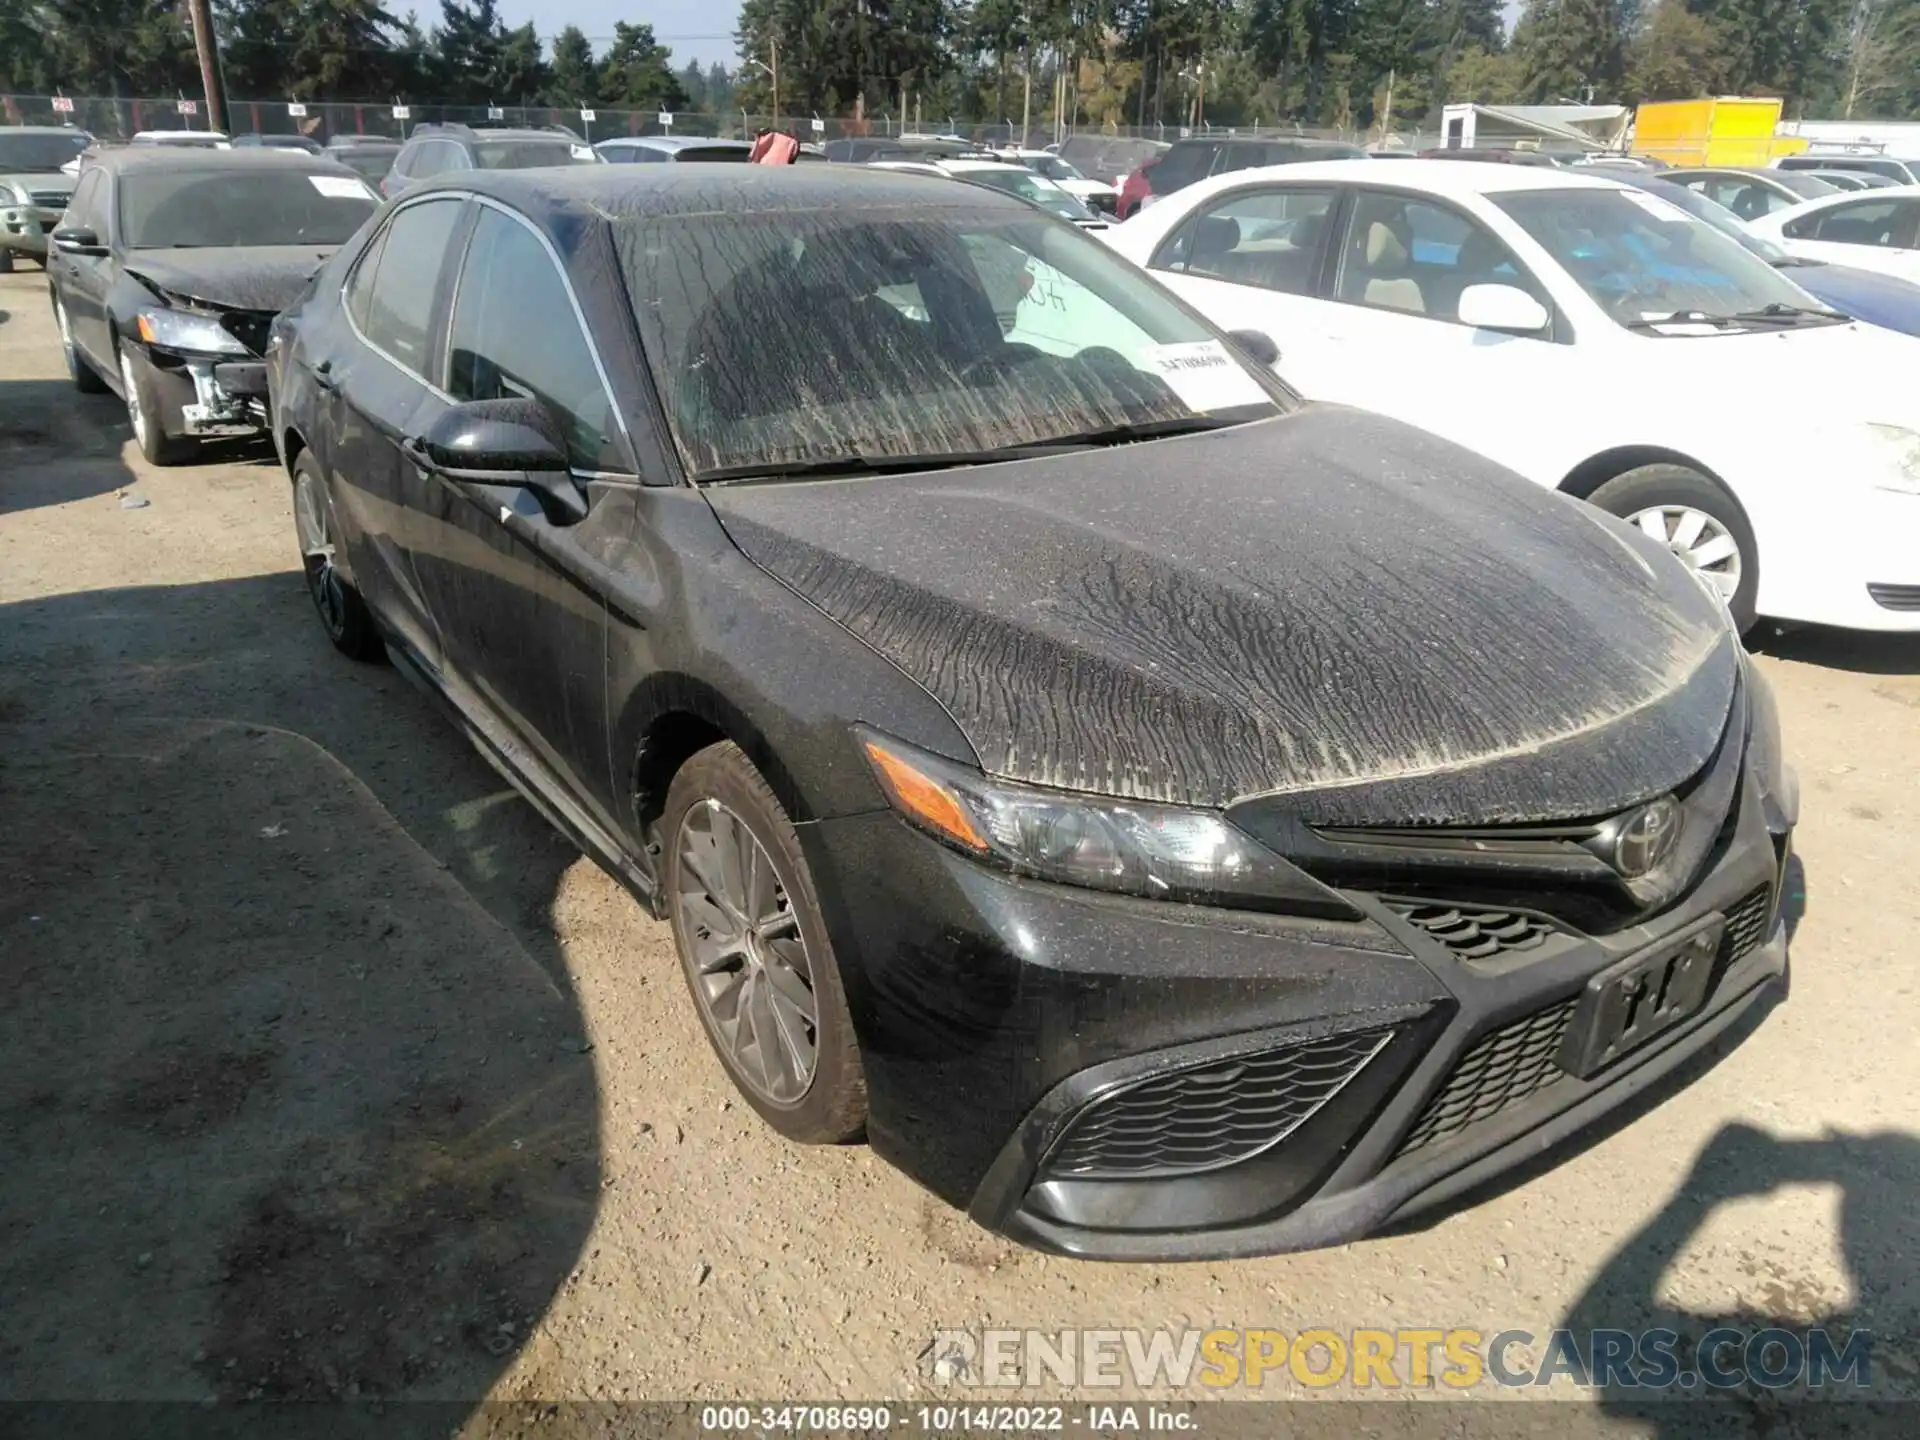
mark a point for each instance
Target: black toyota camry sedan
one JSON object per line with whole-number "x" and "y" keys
{"x": 168, "y": 267}
{"x": 1165, "y": 818}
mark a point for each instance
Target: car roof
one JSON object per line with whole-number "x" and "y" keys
{"x": 252, "y": 157}
{"x": 6, "y": 130}
{"x": 1842, "y": 197}
{"x": 1437, "y": 177}
{"x": 963, "y": 162}
{"x": 464, "y": 132}
{"x": 675, "y": 142}
{"x": 639, "y": 191}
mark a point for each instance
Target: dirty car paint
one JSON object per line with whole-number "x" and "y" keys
{"x": 1331, "y": 605}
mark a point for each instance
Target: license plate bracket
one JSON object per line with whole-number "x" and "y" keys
{"x": 1628, "y": 1004}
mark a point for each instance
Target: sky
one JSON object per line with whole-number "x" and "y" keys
{"x": 693, "y": 29}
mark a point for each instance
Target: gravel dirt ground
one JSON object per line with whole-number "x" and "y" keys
{"x": 326, "y": 1069}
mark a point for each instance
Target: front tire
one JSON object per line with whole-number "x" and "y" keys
{"x": 754, "y": 949}
{"x": 143, "y": 413}
{"x": 6, "y": 261}
{"x": 343, "y": 614}
{"x": 1694, "y": 517}
{"x": 84, "y": 378}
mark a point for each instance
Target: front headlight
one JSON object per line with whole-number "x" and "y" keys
{"x": 1901, "y": 446}
{"x": 178, "y": 330}
{"x": 1765, "y": 755}
{"x": 1156, "y": 852}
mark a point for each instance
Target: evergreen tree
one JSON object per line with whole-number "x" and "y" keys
{"x": 573, "y": 76}
{"x": 635, "y": 74}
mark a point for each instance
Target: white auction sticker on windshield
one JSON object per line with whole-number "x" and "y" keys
{"x": 1656, "y": 207}
{"x": 1203, "y": 375}
{"x": 340, "y": 187}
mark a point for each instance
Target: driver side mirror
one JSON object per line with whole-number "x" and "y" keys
{"x": 508, "y": 443}
{"x": 1257, "y": 346}
{"x": 78, "y": 240}
{"x": 1506, "y": 308}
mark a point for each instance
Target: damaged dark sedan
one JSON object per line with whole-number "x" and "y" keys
{"x": 168, "y": 267}
{"x": 1165, "y": 818}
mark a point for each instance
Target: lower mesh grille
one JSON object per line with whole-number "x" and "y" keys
{"x": 1499, "y": 1070}
{"x": 1748, "y": 921}
{"x": 1209, "y": 1116}
{"x": 1518, "y": 1060}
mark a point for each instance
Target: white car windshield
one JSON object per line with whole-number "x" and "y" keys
{"x": 812, "y": 339}
{"x": 1031, "y": 188}
{"x": 1644, "y": 261}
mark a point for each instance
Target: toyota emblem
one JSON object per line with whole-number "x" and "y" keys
{"x": 1646, "y": 838}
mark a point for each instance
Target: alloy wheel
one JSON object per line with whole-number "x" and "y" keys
{"x": 135, "y": 412}
{"x": 751, "y": 971}
{"x": 317, "y": 553}
{"x": 1702, "y": 543}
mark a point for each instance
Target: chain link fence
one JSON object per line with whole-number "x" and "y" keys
{"x": 112, "y": 118}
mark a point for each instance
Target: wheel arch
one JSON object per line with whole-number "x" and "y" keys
{"x": 670, "y": 718}
{"x": 1596, "y": 470}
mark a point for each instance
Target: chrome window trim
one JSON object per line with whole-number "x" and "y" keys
{"x": 573, "y": 300}
{"x": 360, "y": 259}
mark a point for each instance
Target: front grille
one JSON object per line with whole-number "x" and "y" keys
{"x": 48, "y": 199}
{"x": 1500, "y": 1069}
{"x": 1895, "y": 597}
{"x": 1209, "y": 1116}
{"x": 248, "y": 328}
{"x": 1477, "y": 934}
{"x": 1748, "y": 921}
{"x": 1521, "y": 1059}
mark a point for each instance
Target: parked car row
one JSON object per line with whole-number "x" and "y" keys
{"x": 1134, "y": 791}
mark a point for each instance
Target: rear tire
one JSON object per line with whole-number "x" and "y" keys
{"x": 343, "y": 614}
{"x": 1695, "y": 517}
{"x": 754, "y": 948}
{"x": 6, "y": 261}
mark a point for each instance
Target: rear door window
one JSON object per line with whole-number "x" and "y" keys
{"x": 1183, "y": 164}
{"x": 1884, "y": 224}
{"x": 1270, "y": 238}
{"x": 413, "y": 256}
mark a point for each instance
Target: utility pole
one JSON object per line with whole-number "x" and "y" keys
{"x": 773, "y": 47}
{"x": 208, "y": 50}
{"x": 1026, "y": 98}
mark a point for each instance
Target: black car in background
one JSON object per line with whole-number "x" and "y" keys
{"x": 1158, "y": 814}
{"x": 303, "y": 143}
{"x": 1187, "y": 161}
{"x": 446, "y": 149}
{"x": 167, "y": 268}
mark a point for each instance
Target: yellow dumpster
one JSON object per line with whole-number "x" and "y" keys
{"x": 1728, "y": 130}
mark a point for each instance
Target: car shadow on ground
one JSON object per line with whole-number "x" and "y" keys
{"x": 1793, "y": 909}
{"x": 57, "y": 445}
{"x": 297, "y": 1101}
{"x": 1866, "y": 652}
{"x": 1877, "y": 1176}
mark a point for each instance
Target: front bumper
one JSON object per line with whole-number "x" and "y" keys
{"x": 207, "y": 397}
{"x": 996, "y": 1015}
{"x": 1853, "y": 563}
{"x": 24, "y": 228}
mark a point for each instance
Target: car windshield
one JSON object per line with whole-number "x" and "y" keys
{"x": 371, "y": 164}
{"x": 1053, "y": 167}
{"x": 531, "y": 154}
{"x": 800, "y": 340}
{"x": 1718, "y": 216}
{"x": 166, "y": 209}
{"x": 1642, "y": 259}
{"x": 38, "y": 154}
{"x": 1030, "y": 188}
{"x": 707, "y": 154}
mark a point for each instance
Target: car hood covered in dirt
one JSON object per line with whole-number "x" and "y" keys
{"x": 262, "y": 277}
{"x": 1330, "y": 606}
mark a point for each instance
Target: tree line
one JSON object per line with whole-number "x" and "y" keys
{"x": 1352, "y": 64}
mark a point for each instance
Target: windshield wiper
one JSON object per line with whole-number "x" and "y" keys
{"x": 1781, "y": 313}
{"x": 1680, "y": 317}
{"x": 763, "y": 471}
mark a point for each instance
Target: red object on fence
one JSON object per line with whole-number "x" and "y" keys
{"x": 773, "y": 148}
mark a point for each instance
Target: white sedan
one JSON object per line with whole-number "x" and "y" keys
{"x": 1595, "y": 339}
{"x": 1873, "y": 229}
